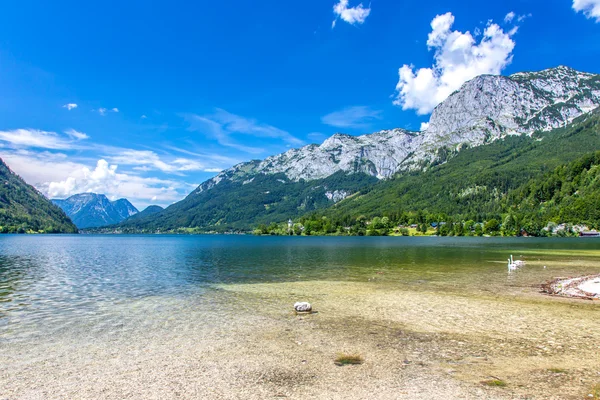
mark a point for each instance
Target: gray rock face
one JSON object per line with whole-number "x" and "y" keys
{"x": 337, "y": 195}
{"x": 491, "y": 107}
{"x": 485, "y": 109}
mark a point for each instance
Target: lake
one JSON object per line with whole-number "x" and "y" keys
{"x": 72, "y": 306}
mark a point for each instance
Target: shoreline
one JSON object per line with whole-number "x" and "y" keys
{"x": 582, "y": 287}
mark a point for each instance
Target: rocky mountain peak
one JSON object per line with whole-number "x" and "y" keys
{"x": 485, "y": 109}
{"x": 490, "y": 107}
{"x": 94, "y": 210}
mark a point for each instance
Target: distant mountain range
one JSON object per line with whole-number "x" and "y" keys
{"x": 486, "y": 110}
{"x": 23, "y": 209}
{"x": 91, "y": 210}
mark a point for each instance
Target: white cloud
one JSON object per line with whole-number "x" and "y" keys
{"x": 210, "y": 157}
{"x": 35, "y": 138}
{"x": 105, "y": 179}
{"x": 70, "y": 106}
{"x": 143, "y": 117}
{"x": 103, "y": 111}
{"x": 76, "y": 135}
{"x": 38, "y": 167}
{"x": 58, "y": 177}
{"x": 100, "y": 180}
{"x": 146, "y": 160}
{"x": 358, "y": 117}
{"x": 424, "y": 126}
{"x": 591, "y": 8}
{"x": 458, "y": 58}
{"x": 223, "y": 125}
{"x": 47, "y": 160}
{"x": 509, "y": 17}
{"x": 218, "y": 132}
{"x": 352, "y": 15}
{"x": 523, "y": 17}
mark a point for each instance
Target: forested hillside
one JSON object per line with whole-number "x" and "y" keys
{"x": 23, "y": 209}
{"x": 569, "y": 194}
{"x": 240, "y": 205}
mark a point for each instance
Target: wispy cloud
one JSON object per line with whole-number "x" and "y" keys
{"x": 20, "y": 141}
{"x": 351, "y": 15}
{"x": 216, "y": 131}
{"x": 103, "y": 111}
{"x": 591, "y": 8}
{"x": 70, "y": 106}
{"x": 509, "y": 17}
{"x": 357, "y": 117}
{"x": 152, "y": 161}
{"x": 76, "y": 134}
{"x": 458, "y": 58}
{"x": 35, "y": 138}
{"x": 213, "y": 157}
{"x": 223, "y": 126}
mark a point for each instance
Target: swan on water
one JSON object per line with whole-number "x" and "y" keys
{"x": 514, "y": 265}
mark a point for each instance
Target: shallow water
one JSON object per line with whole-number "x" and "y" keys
{"x": 210, "y": 317}
{"x": 51, "y": 284}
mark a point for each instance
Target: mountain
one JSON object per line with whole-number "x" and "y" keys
{"x": 124, "y": 209}
{"x": 147, "y": 212}
{"x": 489, "y": 107}
{"x": 485, "y": 110}
{"x": 523, "y": 176}
{"x": 238, "y": 204}
{"x": 24, "y": 209}
{"x": 89, "y": 210}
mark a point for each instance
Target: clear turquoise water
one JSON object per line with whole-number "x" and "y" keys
{"x": 51, "y": 284}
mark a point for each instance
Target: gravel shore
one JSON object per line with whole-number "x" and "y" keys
{"x": 245, "y": 342}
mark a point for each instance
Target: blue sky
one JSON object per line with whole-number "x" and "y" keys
{"x": 169, "y": 93}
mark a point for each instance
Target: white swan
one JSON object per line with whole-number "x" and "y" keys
{"x": 514, "y": 265}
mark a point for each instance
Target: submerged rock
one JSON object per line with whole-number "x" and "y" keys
{"x": 302, "y": 307}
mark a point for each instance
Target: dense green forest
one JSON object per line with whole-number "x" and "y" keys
{"x": 24, "y": 210}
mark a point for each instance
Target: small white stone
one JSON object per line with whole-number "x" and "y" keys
{"x": 302, "y": 307}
